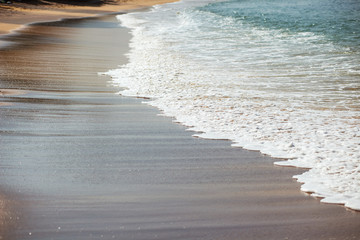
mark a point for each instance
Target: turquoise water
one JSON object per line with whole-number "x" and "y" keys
{"x": 337, "y": 20}
{"x": 278, "y": 76}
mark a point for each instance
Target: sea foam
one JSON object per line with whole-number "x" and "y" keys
{"x": 252, "y": 91}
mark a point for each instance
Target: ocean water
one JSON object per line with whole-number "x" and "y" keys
{"x": 278, "y": 76}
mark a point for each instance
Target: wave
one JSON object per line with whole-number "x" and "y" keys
{"x": 293, "y": 96}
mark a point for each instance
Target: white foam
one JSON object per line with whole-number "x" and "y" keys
{"x": 275, "y": 109}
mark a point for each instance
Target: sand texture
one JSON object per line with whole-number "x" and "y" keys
{"x": 85, "y": 163}
{"x": 14, "y": 16}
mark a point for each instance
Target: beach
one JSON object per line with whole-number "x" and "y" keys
{"x": 79, "y": 161}
{"x": 17, "y": 14}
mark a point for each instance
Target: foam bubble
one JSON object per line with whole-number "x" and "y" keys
{"x": 283, "y": 103}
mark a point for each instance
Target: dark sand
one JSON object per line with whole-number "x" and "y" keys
{"x": 80, "y": 162}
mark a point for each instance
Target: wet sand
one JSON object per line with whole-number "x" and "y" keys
{"x": 85, "y": 163}
{"x": 13, "y": 16}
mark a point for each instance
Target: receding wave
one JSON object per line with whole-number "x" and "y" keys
{"x": 289, "y": 94}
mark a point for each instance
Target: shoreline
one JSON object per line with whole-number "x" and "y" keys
{"x": 17, "y": 16}
{"x": 127, "y": 172}
{"x": 194, "y": 107}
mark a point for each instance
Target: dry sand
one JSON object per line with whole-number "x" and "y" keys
{"x": 88, "y": 164}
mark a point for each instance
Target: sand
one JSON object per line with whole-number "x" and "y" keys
{"x": 16, "y": 15}
{"x": 78, "y": 161}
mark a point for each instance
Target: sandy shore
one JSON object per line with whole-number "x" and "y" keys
{"x": 86, "y": 163}
{"x": 7, "y": 92}
{"x": 14, "y": 16}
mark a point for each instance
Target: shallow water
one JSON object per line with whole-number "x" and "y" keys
{"x": 281, "y": 77}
